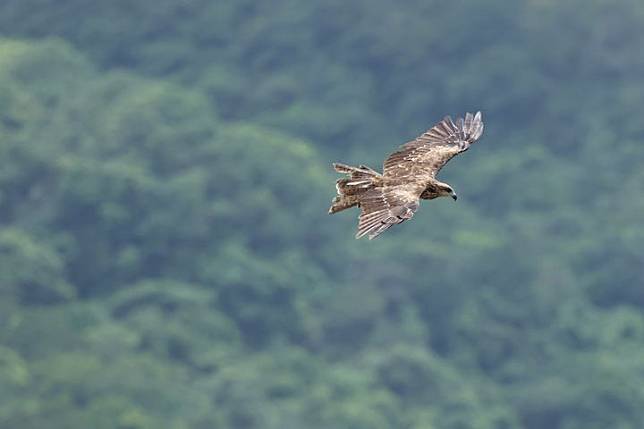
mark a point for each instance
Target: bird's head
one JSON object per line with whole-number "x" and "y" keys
{"x": 445, "y": 190}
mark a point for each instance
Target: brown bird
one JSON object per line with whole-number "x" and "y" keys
{"x": 409, "y": 175}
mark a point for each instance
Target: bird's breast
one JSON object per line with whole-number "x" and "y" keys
{"x": 429, "y": 193}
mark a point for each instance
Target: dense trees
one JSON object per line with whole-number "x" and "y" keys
{"x": 165, "y": 255}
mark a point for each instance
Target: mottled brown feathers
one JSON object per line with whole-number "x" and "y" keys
{"x": 430, "y": 151}
{"x": 409, "y": 173}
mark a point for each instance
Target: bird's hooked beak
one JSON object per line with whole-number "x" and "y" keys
{"x": 454, "y": 196}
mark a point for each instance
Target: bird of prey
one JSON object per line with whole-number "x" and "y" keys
{"x": 409, "y": 175}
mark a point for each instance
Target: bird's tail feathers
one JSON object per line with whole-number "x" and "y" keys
{"x": 360, "y": 179}
{"x": 355, "y": 172}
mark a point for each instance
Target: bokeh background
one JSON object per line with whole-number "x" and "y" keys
{"x": 166, "y": 259}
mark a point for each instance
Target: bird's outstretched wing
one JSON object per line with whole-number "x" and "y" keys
{"x": 429, "y": 152}
{"x": 382, "y": 208}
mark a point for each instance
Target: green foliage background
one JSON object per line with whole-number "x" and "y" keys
{"x": 166, "y": 260}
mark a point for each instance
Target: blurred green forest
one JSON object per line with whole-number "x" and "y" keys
{"x": 166, "y": 260}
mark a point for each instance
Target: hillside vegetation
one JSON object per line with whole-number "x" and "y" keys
{"x": 166, "y": 260}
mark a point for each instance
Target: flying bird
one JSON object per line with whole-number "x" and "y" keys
{"x": 409, "y": 175}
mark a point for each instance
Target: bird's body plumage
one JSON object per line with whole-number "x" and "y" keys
{"x": 409, "y": 175}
